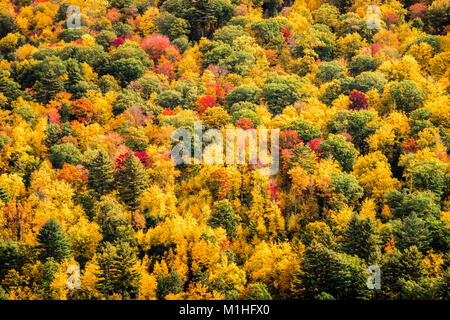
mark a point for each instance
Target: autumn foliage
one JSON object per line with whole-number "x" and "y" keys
{"x": 88, "y": 124}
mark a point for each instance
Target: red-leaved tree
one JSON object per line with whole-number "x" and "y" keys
{"x": 155, "y": 45}
{"x": 418, "y": 10}
{"x": 244, "y": 123}
{"x": 289, "y": 139}
{"x": 358, "y": 101}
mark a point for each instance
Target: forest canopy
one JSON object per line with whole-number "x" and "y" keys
{"x": 91, "y": 92}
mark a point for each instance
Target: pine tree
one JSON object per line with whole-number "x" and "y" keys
{"x": 406, "y": 266}
{"x": 414, "y": 231}
{"x": 363, "y": 239}
{"x": 117, "y": 272}
{"x": 52, "y": 241}
{"x": 13, "y": 255}
{"x": 48, "y": 275}
{"x": 326, "y": 271}
{"x": 73, "y": 73}
{"x": 170, "y": 284}
{"x": 47, "y": 87}
{"x": 443, "y": 286}
{"x": 101, "y": 175}
{"x": 223, "y": 216}
{"x": 132, "y": 181}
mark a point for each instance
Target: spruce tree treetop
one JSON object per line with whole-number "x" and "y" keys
{"x": 223, "y": 216}
{"x": 363, "y": 239}
{"x": 117, "y": 271}
{"x": 337, "y": 274}
{"x": 101, "y": 175}
{"x": 413, "y": 232}
{"x": 132, "y": 181}
{"x": 52, "y": 241}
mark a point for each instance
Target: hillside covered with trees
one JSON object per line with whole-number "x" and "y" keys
{"x": 86, "y": 176}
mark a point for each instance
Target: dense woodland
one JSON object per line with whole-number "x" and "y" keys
{"x": 86, "y": 177}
